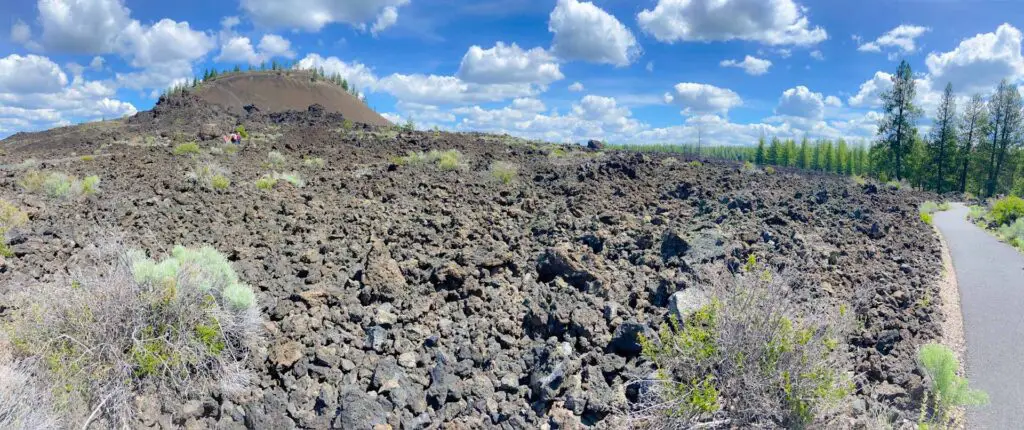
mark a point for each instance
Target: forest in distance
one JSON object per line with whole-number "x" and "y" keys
{"x": 975, "y": 146}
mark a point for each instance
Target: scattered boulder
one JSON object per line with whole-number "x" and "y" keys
{"x": 683, "y": 303}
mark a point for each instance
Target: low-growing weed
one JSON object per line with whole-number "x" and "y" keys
{"x": 314, "y": 162}
{"x": 58, "y": 185}
{"x": 190, "y": 148}
{"x": 947, "y": 390}
{"x": 504, "y": 171}
{"x": 276, "y": 160}
{"x": 291, "y": 178}
{"x": 267, "y": 182}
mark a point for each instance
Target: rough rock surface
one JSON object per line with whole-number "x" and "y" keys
{"x": 409, "y": 297}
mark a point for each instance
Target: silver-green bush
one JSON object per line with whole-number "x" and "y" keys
{"x": 183, "y": 324}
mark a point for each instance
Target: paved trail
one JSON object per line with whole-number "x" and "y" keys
{"x": 990, "y": 275}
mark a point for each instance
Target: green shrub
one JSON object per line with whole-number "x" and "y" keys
{"x": 926, "y": 218}
{"x": 450, "y": 159}
{"x": 748, "y": 167}
{"x": 190, "y": 148}
{"x": 1006, "y": 210}
{"x": 750, "y": 345}
{"x": 859, "y": 180}
{"x": 87, "y": 157}
{"x": 291, "y": 178}
{"x": 241, "y": 131}
{"x": 769, "y": 170}
{"x": 347, "y": 124}
{"x": 947, "y": 390}
{"x": 58, "y": 185}
{"x": 314, "y": 162}
{"x": 504, "y": 171}
{"x": 267, "y": 182}
{"x": 977, "y": 213}
{"x": 90, "y": 185}
{"x": 276, "y": 160}
{"x": 182, "y": 325}
{"x": 1013, "y": 233}
{"x": 10, "y": 217}
{"x": 219, "y": 182}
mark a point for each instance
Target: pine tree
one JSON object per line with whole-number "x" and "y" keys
{"x": 973, "y": 126}
{"x": 773, "y": 152}
{"x": 804, "y": 157}
{"x": 759, "y": 156}
{"x": 1005, "y": 107}
{"x": 899, "y": 123}
{"x": 943, "y": 141}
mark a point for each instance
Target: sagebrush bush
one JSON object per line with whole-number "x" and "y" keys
{"x": 1013, "y": 233}
{"x": 209, "y": 176}
{"x": 1007, "y": 210}
{"x": 751, "y": 357}
{"x": 241, "y": 131}
{"x": 87, "y": 157}
{"x": 190, "y": 148}
{"x": 947, "y": 390}
{"x": 450, "y": 159}
{"x": 314, "y": 162}
{"x": 291, "y": 178}
{"x": 58, "y": 184}
{"x": 276, "y": 160}
{"x": 184, "y": 324}
{"x": 267, "y": 182}
{"x": 10, "y": 218}
{"x": 504, "y": 171}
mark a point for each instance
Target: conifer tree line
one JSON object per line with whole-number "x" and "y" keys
{"x": 317, "y": 74}
{"x": 974, "y": 147}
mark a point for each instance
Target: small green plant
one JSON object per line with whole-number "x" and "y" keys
{"x": 557, "y": 152}
{"x": 267, "y": 182}
{"x": 859, "y": 180}
{"x": 314, "y": 162}
{"x": 769, "y": 170}
{"x": 926, "y": 218}
{"x": 58, "y": 185}
{"x": 947, "y": 390}
{"x": 694, "y": 163}
{"x": 276, "y": 160}
{"x": 504, "y": 171}
{"x": 241, "y": 131}
{"x": 90, "y": 185}
{"x": 219, "y": 182}
{"x": 87, "y": 157}
{"x": 10, "y": 217}
{"x": 190, "y": 148}
{"x": 347, "y": 125}
{"x": 449, "y": 160}
{"x": 1007, "y": 210}
{"x": 748, "y": 167}
{"x": 291, "y": 178}
{"x": 409, "y": 125}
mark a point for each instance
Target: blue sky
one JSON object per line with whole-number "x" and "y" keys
{"x": 653, "y": 71}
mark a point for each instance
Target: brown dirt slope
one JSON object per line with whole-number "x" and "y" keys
{"x": 279, "y": 91}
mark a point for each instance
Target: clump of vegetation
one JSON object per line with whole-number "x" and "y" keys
{"x": 87, "y": 157}
{"x": 190, "y": 148}
{"x": 291, "y": 178}
{"x": 25, "y": 400}
{"x": 184, "y": 324}
{"x": 1007, "y": 210}
{"x": 347, "y": 125}
{"x": 241, "y": 131}
{"x": 10, "y": 218}
{"x": 276, "y": 160}
{"x": 859, "y": 179}
{"x": 90, "y": 185}
{"x": 58, "y": 185}
{"x": 504, "y": 171}
{"x": 749, "y": 167}
{"x": 1013, "y": 233}
{"x": 557, "y": 152}
{"x": 450, "y": 159}
{"x": 929, "y": 208}
{"x": 409, "y": 125}
{"x": 769, "y": 170}
{"x": 947, "y": 390}
{"x": 977, "y": 214}
{"x": 209, "y": 176}
{"x": 314, "y": 162}
{"x": 267, "y": 182}
{"x": 752, "y": 345}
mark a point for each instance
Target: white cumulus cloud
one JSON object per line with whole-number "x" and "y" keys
{"x": 801, "y": 102}
{"x": 772, "y": 22}
{"x": 586, "y": 32}
{"x": 313, "y": 15}
{"x": 505, "y": 64}
{"x": 980, "y": 62}
{"x": 576, "y": 87}
{"x": 30, "y": 74}
{"x": 902, "y": 37}
{"x": 870, "y": 92}
{"x": 752, "y": 65}
{"x": 697, "y": 98}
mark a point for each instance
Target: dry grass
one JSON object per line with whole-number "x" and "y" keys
{"x": 209, "y": 176}
{"x": 26, "y": 402}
